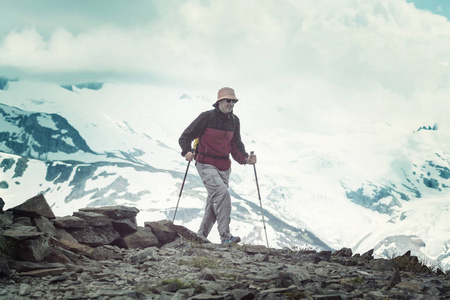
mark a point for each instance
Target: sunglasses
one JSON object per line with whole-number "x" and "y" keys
{"x": 230, "y": 100}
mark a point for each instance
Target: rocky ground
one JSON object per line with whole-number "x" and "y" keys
{"x": 100, "y": 253}
{"x": 187, "y": 270}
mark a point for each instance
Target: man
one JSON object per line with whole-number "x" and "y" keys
{"x": 218, "y": 133}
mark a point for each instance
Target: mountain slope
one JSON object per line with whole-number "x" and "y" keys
{"x": 105, "y": 178}
{"x": 376, "y": 186}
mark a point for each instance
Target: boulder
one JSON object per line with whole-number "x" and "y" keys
{"x": 23, "y": 233}
{"x": 394, "y": 279}
{"x": 189, "y": 234}
{"x": 114, "y": 212}
{"x": 125, "y": 226}
{"x": 368, "y": 255}
{"x": 344, "y": 252}
{"x": 45, "y": 225}
{"x": 34, "y": 207}
{"x": 163, "y": 231}
{"x": 56, "y": 256}
{"x": 74, "y": 247}
{"x": 33, "y": 250}
{"x": 61, "y": 234}
{"x": 93, "y": 219}
{"x": 70, "y": 222}
{"x": 95, "y": 236}
{"x": 142, "y": 238}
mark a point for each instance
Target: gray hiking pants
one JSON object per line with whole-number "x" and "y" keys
{"x": 218, "y": 202}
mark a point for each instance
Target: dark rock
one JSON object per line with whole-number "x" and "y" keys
{"x": 254, "y": 249}
{"x": 114, "y": 212}
{"x": 33, "y": 250}
{"x": 394, "y": 279}
{"x": 208, "y": 275}
{"x": 170, "y": 287}
{"x": 45, "y": 225}
{"x": 67, "y": 253}
{"x": 74, "y": 247}
{"x": 244, "y": 294}
{"x": 22, "y": 221}
{"x": 368, "y": 255}
{"x": 23, "y": 233}
{"x": 6, "y": 219}
{"x": 61, "y": 234}
{"x": 381, "y": 264}
{"x": 142, "y": 238}
{"x": 95, "y": 236}
{"x": 273, "y": 292}
{"x": 125, "y": 226}
{"x": 287, "y": 279}
{"x": 414, "y": 287}
{"x": 189, "y": 234}
{"x": 344, "y": 252}
{"x": 70, "y": 222}
{"x": 93, "y": 219}
{"x": 147, "y": 254}
{"x": 34, "y": 207}
{"x": 431, "y": 183}
{"x": 314, "y": 257}
{"x": 104, "y": 253}
{"x": 25, "y": 266}
{"x": 407, "y": 254}
{"x": 163, "y": 231}
{"x": 4, "y": 268}
{"x": 59, "y": 278}
{"x": 328, "y": 297}
{"x": 43, "y": 272}
{"x": 56, "y": 256}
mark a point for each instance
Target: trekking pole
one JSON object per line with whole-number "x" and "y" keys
{"x": 181, "y": 191}
{"x": 260, "y": 204}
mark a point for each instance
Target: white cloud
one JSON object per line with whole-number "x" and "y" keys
{"x": 364, "y": 58}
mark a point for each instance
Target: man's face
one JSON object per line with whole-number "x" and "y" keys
{"x": 226, "y": 105}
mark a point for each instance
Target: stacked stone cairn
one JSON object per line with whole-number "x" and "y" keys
{"x": 101, "y": 253}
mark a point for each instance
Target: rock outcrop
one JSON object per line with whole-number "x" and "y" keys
{"x": 101, "y": 253}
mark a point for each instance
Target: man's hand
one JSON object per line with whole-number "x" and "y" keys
{"x": 189, "y": 156}
{"x": 251, "y": 159}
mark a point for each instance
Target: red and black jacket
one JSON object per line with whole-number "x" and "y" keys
{"x": 219, "y": 136}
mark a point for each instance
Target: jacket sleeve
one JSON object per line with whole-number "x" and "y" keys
{"x": 193, "y": 131}
{"x": 237, "y": 146}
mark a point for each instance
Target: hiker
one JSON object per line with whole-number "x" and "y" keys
{"x": 218, "y": 134}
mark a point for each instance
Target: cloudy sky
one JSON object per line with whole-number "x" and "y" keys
{"x": 370, "y": 57}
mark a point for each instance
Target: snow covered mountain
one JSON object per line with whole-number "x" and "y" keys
{"x": 375, "y": 186}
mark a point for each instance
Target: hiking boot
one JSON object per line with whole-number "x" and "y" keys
{"x": 232, "y": 240}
